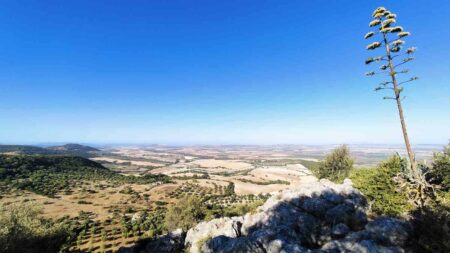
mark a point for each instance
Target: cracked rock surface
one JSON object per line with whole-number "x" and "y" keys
{"x": 317, "y": 217}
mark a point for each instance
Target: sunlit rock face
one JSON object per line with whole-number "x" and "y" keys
{"x": 317, "y": 217}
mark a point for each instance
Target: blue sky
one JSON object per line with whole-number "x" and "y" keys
{"x": 214, "y": 72}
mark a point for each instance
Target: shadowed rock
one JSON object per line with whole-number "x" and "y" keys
{"x": 172, "y": 242}
{"x": 319, "y": 217}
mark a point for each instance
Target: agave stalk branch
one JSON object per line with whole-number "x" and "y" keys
{"x": 397, "y": 91}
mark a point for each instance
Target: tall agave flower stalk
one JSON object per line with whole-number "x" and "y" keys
{"x": 390, "y": 37}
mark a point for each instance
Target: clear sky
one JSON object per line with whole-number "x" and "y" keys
{"x": 214, "y": 72}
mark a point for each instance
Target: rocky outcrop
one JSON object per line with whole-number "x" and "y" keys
{"x": 172, "y": 242}
{"x": 228, "y": 227}
{"x": 318, "y": 217}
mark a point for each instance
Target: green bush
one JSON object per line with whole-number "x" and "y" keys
{"x": 22, "y": 231}
{"x": 313, "y": 166}
{"x": 185, "y": 214}
{"x": 432, "y": 222}
{"x": 440, "y": 170}
{"x": 336, "y": 166}
{"x": 431, "y": 229}
{"x": 48, "y": 175}
{"x": 230, "y": 189}
{"x": 378, "y": 186}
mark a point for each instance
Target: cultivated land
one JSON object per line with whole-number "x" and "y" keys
{"x": 109, "y": 211}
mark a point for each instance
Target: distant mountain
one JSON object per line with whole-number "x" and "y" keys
{"x": 25, "y": 150}
{"x": 72, "y": 147}
{"x": 67, "y": 149}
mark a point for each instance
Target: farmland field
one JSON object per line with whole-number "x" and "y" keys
{"x": 114, "y": 210}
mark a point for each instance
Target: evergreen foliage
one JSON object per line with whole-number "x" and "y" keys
{"x": 440, "y": 170}
{"x": 336, "y": 166}
{"x": 230, "y": 189}
{"x": 186, "y": 213}
{"x": 22, "y": 231}
{"x": 67, "y": 149}
{"x": 380, "y": 189}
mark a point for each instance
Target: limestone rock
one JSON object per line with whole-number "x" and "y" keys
{"x": 386, "y": 229}
{"x": 318, "y": 218}
{"x": 230, "y": 227}
{"x": 170, "y": 243}
{"x": 340, "y": 230}
{"x": 224, "y": 244}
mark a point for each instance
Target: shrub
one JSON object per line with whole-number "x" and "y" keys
{"x": 185, "y": 214}
{"x": 22, "y": 231}
{"x": 440, "y": 170}
{"x": 378, "y": 186}
{"x": 336, "y": 166}
{"x": 84, "y": 202}
{"x": 230, "y": 189}
{"x": 432, "y": 223}
{"x": 431, "y": 229}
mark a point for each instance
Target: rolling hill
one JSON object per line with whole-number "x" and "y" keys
{"x": 50, "y": 174}
{"x": 67, "y": 149}
{"x": 72, "y": 147}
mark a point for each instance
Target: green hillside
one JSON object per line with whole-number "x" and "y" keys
{"x": 50, "y": 174}
{"x": 25, "y": 149}
{"x": 72, "y": 147}
{"x": 67, "y": 149}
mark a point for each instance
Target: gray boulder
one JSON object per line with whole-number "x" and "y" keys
{"x": 365, "y": 246}
{"x": 222, "y": 244}
{"x": 346, "y": 213}
{"x": 319, "y": 218}
{"x": 339, "y": 231}
{"x": 171, "y": 243}
{"x": 389, "y": 230}
{"x": 229, "y": 227}
{"x": 316, "y": 206}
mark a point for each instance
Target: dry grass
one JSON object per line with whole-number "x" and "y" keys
{"x": 121, "y": 161}
{"x": 227, "y": 164}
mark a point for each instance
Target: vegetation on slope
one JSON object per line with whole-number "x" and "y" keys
{"x": 25, "y": 150}
{"x": 185, "y": 214}
{"x": 387, "y": 197}
{"x": 380, "y": 189}
{"x": 432, "y": 223}
{"x": 48, "y": 175}
{"x": 22, "y": 231}
{"x": 67, "y": 149}
{"x": 311, "y": 165}
{"x": 189, "y": 211}
{"x": 384, "y": 189}
{"x": 278, "y": 181}
{"x": 72, "y": 147}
